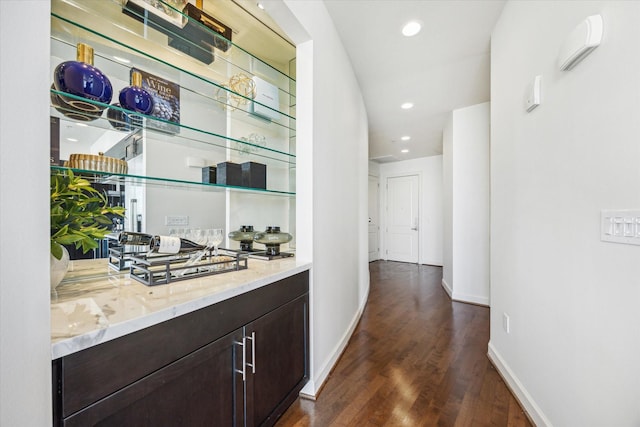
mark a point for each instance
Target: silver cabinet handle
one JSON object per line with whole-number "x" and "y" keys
{"x": 253, "y": 352}
{"x": 243, "y": 371}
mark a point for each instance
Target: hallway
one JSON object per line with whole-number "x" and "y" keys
{"x": 415, "y": 359}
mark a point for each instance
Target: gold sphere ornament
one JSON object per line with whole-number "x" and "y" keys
{"x": 243, "y": 85}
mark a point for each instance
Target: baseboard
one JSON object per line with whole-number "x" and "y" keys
{"x": 471, "y": 299}
{"x": 447, "y": 288}
{"x": 314, "y": 385}
{"x": 531, "y": 409}
{"x": 308, "y": 391}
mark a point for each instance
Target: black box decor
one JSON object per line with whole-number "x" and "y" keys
{"x": 196, "y": 36}
{"x": 229, "y": 173}
{"x": 200, "y": 35}
{"x": 199, "y": 51}
{"x": 163, "y": 16}
{"x": 222, "y": 38}
{"x": 209, "y": 175}
{"x": 254, "y": 175}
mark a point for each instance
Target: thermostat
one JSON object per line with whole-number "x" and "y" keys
{"x": 581, "y": 42}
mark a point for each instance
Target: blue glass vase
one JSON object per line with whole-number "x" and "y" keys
{"x": 81, "y": 79}
{"x": 134, "y": 97}
{"x": 70, "y": 111}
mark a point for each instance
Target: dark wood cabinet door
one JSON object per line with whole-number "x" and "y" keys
{"x": 201, "y": 389}
{"x": 281, "y": 347}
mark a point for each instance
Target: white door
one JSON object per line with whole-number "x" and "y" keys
{"x": 402, "y": 218}
{"x": 374, "y": 223}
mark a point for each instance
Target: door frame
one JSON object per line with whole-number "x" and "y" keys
{"x": 376, "y": 178}
{"x": 383, "y": 210}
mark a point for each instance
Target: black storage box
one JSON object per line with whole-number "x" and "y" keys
{"x": 229, "y": 173}
{"x": 195, "y": 30}
{"x": 254, "y": 175}
{"x": 209, "y": 175}
{"x": 136, "y": 10}
{"x": 202, "y": 53}
{"x": 201, "y": 34}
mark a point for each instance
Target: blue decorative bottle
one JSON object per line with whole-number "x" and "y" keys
{"x": 134, "y": 97}
{"x": 81, "y": 79}
{"x": 69, "y": 110}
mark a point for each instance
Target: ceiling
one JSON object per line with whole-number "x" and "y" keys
{"x": 442, "y": 68}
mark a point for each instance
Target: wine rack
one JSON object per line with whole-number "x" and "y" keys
{"x": 152, "y": 270}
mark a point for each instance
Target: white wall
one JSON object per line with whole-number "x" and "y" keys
{"x": 466, "y": 206}
{"x": 25, "y": 352}
{"x": 572, "y": 353}
{"x": 431, "y": 221}
{"x": 447, "y": 204}
{"x": 374, "y": 169}
{"x": 340, "y": 279}
{"x": 331, "y": 181}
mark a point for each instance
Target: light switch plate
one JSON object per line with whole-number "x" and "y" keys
{"x": 532, "y": 94}
{"x": 176, "y": 220}
{"x": 620, "y": 226}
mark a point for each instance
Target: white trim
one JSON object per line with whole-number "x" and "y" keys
{"x": 447, "y": 288}
{"x": 533, "y": 411}
{"x": 379, "y": 256}
{"x": 309, "y": 390}
{"x": 471, "y": 299}
{"x": 314, "y": 385}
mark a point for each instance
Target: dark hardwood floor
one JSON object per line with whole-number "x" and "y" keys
{"x": 415, "y": 359}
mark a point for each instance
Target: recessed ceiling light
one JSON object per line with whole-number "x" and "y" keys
{"x": 260, "y": 6}
{"x": 406, "y": 105}
{"x": 404, "y": 151}
{"x": 411, "y": 28}
{"x": 72, "y": 140}
{"x": 405, "y": 138}
{"x": 121, "y": 59}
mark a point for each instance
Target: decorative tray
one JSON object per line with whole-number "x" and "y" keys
{"x": 154, "y": 269}
{"x": 261, "y": 254}
{"x": 120, "y": 259}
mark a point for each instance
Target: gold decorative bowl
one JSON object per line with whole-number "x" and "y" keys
{"x": 99, "y": 163}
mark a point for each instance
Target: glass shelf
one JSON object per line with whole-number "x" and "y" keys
{"x": 216, "y": 120}
{"x": 113, "y": 178}
{"x": 114, "y": 34}
{"x": 185, "y": 135}
{"x": 115, "y": 59}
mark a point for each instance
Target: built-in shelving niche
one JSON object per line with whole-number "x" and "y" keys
{"x": 164, "y": 177}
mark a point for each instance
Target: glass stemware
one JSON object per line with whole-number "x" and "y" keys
{"x": 217, "y": 235}
{"x": 199, "y": 236}
{"x": 176, "y": 232}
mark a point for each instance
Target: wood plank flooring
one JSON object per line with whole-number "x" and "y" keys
{"x": 415, "y": 359}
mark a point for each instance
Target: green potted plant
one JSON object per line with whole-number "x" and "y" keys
{"x": 78, "y": 216}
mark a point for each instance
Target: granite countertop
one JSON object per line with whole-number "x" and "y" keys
{"x": 87, "y": 312}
